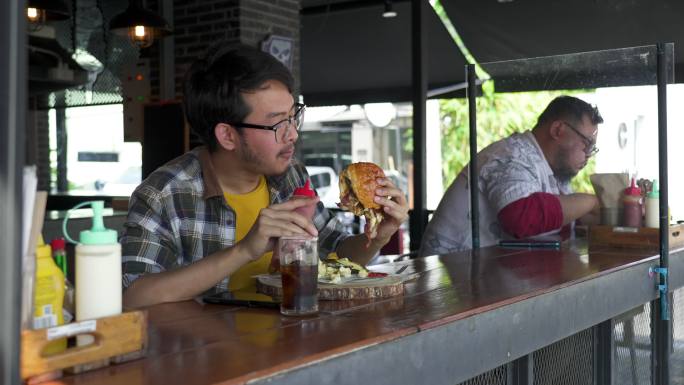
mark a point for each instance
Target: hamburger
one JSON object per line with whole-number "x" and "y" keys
{"x": 357, "y": 194}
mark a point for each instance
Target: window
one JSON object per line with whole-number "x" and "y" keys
{"x": 98, "y": 160}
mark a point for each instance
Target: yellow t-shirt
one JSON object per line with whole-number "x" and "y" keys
{"x": 247, "y": 207}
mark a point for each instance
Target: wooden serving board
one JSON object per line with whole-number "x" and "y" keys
{"x": 367, "y": 288}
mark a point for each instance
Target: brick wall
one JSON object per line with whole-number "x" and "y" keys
{"x": 199, "y": 23}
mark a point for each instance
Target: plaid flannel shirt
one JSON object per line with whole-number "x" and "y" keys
{"x": 179, "y": 215}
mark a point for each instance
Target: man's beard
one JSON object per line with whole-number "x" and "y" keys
{"x": 562, "y": 169}
{"x": 254, "y": 160}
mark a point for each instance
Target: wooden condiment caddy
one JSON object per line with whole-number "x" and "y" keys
{"x": 646, "y": 238}
{"x": 118, "y": 339}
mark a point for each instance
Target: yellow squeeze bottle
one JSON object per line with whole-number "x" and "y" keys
{"x": 48, "y": 296}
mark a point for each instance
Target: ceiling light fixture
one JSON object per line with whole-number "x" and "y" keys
{"x": 140, "y": 25}
{"x": 389, "y": 12}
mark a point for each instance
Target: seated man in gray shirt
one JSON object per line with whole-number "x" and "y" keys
{"x": 523, "y": 182}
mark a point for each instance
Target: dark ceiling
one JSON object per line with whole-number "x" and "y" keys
{"x": 354, "y": 55}
{"x": 351, "y": 55}
{"x": 309, "y": 4}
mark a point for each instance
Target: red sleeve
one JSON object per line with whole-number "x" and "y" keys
{"x": 536, "y": 214}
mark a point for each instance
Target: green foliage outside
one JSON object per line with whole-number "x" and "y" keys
{"x": 498, "y": 116}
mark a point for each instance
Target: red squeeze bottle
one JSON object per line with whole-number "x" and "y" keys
{"x": 631, "y": 206}
{"x": 306, "y": 191}
{"x": 307, "y": 211}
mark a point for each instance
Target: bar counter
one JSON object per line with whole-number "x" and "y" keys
{"x": 465, "y": 314}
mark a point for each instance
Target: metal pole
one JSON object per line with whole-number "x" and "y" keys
{"x": 663, "y": 330}
{"x": 418, "y": 220}
{"x": 653, "y": 318}
{"x": 473, "y": 178}
{"x": 604, "y": 345}
{"x": 167, "y": 65}
{"x": 13, "y": 99}
{"x": 521, "y": 371}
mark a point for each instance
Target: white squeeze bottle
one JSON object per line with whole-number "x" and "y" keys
{"x": 653, "y": 206}
{"x": 98, "y": 270}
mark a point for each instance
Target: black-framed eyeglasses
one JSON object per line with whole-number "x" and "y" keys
{"x": 282, "y": 128}
{"x": 589, "y": 145}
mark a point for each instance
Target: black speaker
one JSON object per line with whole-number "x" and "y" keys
{"x": 163, "y": 135}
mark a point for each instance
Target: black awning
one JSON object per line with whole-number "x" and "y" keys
{"x": 498, "y": 31}
{"x": 354, "y": 55}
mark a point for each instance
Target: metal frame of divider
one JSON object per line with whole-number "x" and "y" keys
{"x": 662, "y": 325}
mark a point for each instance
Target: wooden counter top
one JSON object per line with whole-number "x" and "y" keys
{"x": 192, "y": 343}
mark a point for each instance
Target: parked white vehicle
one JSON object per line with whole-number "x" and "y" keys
{"x": 325, "y": 181}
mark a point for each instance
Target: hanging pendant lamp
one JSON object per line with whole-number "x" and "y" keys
{"x": 140, "y": 25}
{"x": 40, "y": 11}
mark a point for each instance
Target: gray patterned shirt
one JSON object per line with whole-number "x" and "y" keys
{"x": 179, "y": 215}
{"x": 510, "y": 169}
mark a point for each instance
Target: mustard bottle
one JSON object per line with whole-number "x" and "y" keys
{"x": 48, "y": 296}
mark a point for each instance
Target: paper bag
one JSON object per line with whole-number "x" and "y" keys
{"x": 609, "y": 188}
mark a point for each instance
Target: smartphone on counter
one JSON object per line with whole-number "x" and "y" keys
{"x": 531, "y": 243}
{"x": 242, "y": 298}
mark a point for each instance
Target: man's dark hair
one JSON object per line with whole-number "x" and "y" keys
{"x": 569, "y": 108}
{"x": 214, "y": 85}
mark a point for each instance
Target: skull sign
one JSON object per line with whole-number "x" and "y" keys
{"x": 280, "y": 47}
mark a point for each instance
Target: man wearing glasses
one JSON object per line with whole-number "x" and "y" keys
{"x": 208, "y": 220}
{"x": 523, "y": 182}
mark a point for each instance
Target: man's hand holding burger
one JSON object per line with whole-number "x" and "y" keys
{"x": 394, "y": 207}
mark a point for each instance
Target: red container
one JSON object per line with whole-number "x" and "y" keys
{"x": 632, "y": 207}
